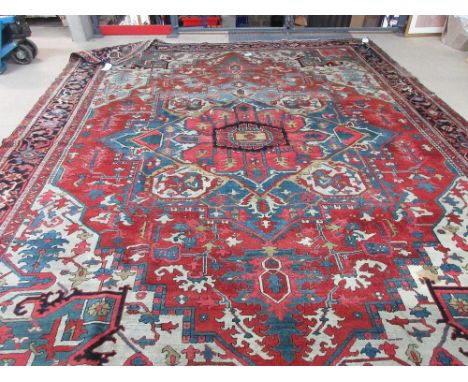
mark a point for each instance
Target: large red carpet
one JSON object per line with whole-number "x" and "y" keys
{"x": 290, "y": 203}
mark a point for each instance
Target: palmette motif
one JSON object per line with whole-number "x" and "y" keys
{"x": 291, "y": 203}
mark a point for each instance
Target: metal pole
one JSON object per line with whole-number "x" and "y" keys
{"x": 175, "y": 26}
{"x": 81, "y": 27}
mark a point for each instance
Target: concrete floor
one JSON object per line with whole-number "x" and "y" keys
{"x": 441, "y": 69}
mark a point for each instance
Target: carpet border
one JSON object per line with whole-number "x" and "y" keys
{"x": 417, "y": 82}
{"x": 32, "y": 114}
{"x": 24, "y": 133}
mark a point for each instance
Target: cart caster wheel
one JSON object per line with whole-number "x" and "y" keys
{"x": 22, "y": 54}
{"x": 31, "y": 44}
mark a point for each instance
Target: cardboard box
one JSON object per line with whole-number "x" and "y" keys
{"x": 456, "y": 32}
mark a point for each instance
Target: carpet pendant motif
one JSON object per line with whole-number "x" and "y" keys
{"x": 244, "y": 204}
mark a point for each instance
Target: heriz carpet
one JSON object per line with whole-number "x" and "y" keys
{"x": 290, "y": 203}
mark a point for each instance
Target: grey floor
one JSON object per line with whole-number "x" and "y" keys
{"x": 280, "y": 35}
{"x": 442, "y": 69}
